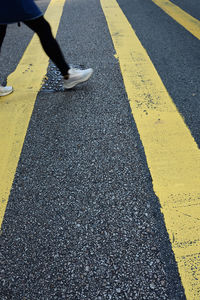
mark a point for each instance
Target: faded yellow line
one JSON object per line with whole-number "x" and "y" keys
{"x": 180, "y": 16}
{"x": 16, "y": 109}
{"x": 172, "y": 154}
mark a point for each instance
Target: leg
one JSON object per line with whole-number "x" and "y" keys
{"x": 49, "y": 43}
{"x": 2, "y": 33}
{"x": 4, "y": 90}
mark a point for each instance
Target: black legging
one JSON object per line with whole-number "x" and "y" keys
{"x": 2, "y": 34}
{"x": 49, "y": 43}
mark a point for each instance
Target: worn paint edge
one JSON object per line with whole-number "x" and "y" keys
{"x": 16, "y": 109}
{"x": 172, "y": 154}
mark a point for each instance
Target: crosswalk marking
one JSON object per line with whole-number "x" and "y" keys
{"x": 172, "y": 154}
{"x": 180, "y": 16}
{"x": 16, "y": 109}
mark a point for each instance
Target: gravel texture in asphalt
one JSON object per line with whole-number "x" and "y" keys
{"x": 82, "y": 220}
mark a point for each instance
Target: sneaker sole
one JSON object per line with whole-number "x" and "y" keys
{"x": 5, "y": 94}
{"x": 74, "y": 83}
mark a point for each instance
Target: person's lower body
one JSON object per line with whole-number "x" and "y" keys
{"x": 71, "y": 76}
{"x": 4, "y": 90}
{"x": 2, "y": 33}
{"x": 41, "y": 27}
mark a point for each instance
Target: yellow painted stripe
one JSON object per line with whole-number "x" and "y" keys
{"x": 172, "y": 154}
{"x": 180, "y": 16}
{"x": 16, "y": 109}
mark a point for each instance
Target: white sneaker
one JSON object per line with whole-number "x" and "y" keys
{"x": 77, "y": 76}
{"x": 5, "y": 90}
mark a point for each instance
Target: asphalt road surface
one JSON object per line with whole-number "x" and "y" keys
{"x": 83, "y": 220}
